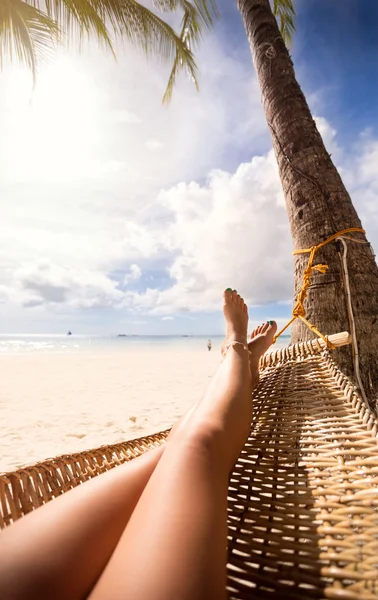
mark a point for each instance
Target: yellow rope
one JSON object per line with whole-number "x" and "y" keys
{"x": 299, "y": 311}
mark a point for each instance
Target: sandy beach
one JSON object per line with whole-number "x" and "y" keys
{"x": 53, "y": 404}
{"x": 62, "y": 394}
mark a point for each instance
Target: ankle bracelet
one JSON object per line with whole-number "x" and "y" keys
{"x": 226, "y": 348}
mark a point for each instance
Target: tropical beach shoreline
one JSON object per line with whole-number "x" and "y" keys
{"x": 62, "y": 400}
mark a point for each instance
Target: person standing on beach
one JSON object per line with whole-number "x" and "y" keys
{"x": 209, "y": 345}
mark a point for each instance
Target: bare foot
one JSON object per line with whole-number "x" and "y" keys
{"x": 261, "y": 340}
{"x": 236, "y": 314}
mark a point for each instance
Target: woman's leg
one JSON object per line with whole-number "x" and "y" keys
{"x": 174, "y": 546}
{"x": 60, "y": 550}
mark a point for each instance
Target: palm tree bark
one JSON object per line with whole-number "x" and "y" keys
{"x": 318, "y": 204}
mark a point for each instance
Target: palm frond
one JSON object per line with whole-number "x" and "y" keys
{"x": 78, "y": 18}
{"x": 284, "y": 11}
{"x": 196, "y": 18}
{"x": 26, "y": 32}
{"x": 206, "y": 10}
{"x": 96, "y": 18}
{"x": 188, "y": 33}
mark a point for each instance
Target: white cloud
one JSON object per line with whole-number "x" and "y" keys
{"x": 78, "y": 193}
{"x": 232, "y": 231}
{"x": 125, "y": 116}
{"x": 134, "y": 274}
{"x": 329, "y": 135}
{"x": 327, "y": 132}
{"x": 168, "y": 318}
{"x": 360, "y": 175}
{"x": 45, "y": 283}
{"x": 93, "y": 197}
{"x": 154, "y": 145}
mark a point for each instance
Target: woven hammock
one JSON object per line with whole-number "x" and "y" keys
{"x": 303, "y": 497}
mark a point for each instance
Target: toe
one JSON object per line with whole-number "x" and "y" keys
{"x": 227, "y": 295}
{"x": 264, "y": 327}
{"x": 272, "y": 326}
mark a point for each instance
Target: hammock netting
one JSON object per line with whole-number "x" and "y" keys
{"x": 303, "y": 497}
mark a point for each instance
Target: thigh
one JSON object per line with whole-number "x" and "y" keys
{"x": 61, "y": 549}
{"x": 174, "y": 546}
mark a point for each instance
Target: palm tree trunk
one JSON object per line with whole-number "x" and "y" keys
{"x": 318, "y": 205}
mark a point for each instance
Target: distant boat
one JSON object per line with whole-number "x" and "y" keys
{"x": 184, "y": 336}
{"x": 69, "y": 333}
{"x": 122, "y": 335}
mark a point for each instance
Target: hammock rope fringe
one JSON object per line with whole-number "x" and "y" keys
{"x": 299, "y": 311}
{"x": 303, "y": 496}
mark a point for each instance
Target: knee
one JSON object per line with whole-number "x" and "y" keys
{"x": 205, "y": 437}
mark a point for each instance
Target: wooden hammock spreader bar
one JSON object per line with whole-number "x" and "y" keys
{"x": 337, "y": 339}
{"x": 318, "y": 345}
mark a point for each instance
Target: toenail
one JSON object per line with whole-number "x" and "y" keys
{"x": 271, "y": 322}
{"x": 234, "y": 291}
{"x": 228, "y": 290}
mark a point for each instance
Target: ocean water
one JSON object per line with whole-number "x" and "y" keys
{"x": 78, "y": 344}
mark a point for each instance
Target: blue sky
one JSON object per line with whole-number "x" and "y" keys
{"x": 338, "y": 44}
{"x": 120, "y": 215}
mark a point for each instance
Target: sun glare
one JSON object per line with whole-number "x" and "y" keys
{"x": 53, "y": 129}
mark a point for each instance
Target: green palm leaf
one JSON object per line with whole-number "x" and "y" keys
{"x": 284, "y": 11}
{"x": 25, "y": 32}
{"x": 194, "y": 20}
{"x": 84, "y": 17}
{"x": 31, "y": 32}
{"x": 205, "y": 10}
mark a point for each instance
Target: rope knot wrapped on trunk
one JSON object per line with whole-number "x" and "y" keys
{"x": 299, "y": 311}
